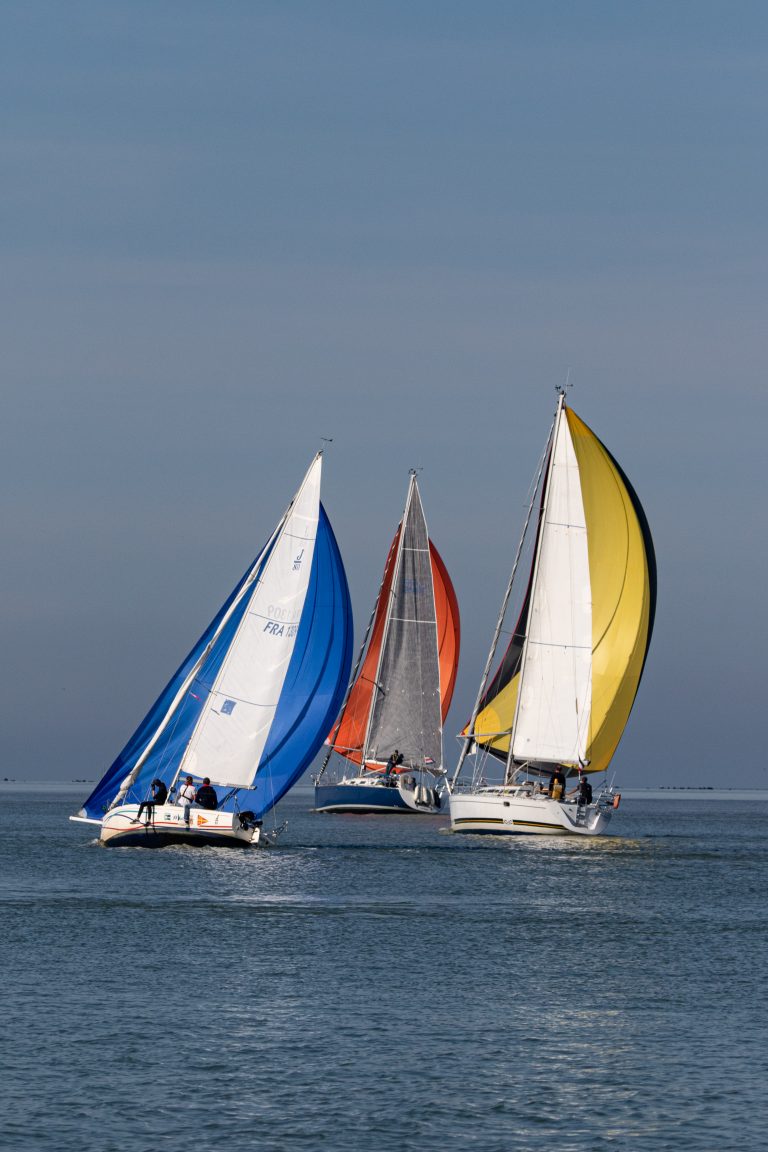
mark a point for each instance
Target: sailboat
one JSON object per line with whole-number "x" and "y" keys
{"x": 559, "y": 701}
{"x": 249, "y": 708}
{"x": 390, "y": 729}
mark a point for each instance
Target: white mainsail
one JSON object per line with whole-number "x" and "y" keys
{"x": 554, "y": 701}
{"x": 233, "y": 728}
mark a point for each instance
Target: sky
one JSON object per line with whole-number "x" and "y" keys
{"x": 233, "y": 229}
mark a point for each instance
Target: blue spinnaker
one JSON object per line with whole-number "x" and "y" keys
{"x": 309, "y": 701}
{"x": 317, "y": 676}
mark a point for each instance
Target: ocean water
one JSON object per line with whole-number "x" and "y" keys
{"x": 378, "y": 984}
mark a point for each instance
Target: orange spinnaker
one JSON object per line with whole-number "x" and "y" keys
{"x": 349, "y": 739}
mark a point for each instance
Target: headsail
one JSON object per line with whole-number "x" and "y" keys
{"x": 406, "y": 680}
{"x": 554, "y": 697}
{"x": 258, "y": 690}
{"x": 587, "y": 616}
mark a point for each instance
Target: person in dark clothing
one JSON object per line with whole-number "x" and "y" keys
{"x": 159, "y": 796}
{"x": 395, "y": 759}
{"x": 584, "y": 794}
{"x": 557, "y": 784}
{"x": 206, "y": 796}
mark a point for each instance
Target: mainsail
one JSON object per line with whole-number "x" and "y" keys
{"x": 554, "y": 697}
{"x": 566, "y": 685}
{"x": 404, "y": 688}
{"x": 252, "y": 701}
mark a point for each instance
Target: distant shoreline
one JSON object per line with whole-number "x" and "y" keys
{"x": 305, "y": 787}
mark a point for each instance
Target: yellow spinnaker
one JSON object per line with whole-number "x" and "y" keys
{"x": 622, "y": 577}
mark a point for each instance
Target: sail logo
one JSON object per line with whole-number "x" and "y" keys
{"x": 228, "y": 707}
{"x": 275, "y": 628}
{"x": 297, "y": 561}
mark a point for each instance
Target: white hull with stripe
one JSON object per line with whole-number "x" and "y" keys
{"x": 167, "y": 824}
{"x": 516, "y": 811}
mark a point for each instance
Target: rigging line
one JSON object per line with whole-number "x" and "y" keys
{"x": 486, "y": 672}
{"x": 272, "y": 808}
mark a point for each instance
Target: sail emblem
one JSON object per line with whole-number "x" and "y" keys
{"x": 227, "y": 707}
{"x": 297, "y": 561}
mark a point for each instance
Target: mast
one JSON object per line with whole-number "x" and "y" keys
{"x": 468, "y": 739}
{"x": 385, "y": 634}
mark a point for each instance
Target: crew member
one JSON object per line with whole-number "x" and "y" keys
{"x": 159, "y": 796}
{"x": 186, "y": 797}
{"x": 395, "y": 759}
{"x": 584, "y": 795}
{"x": 206, "y": 795}
{"x": 557, "y": 783}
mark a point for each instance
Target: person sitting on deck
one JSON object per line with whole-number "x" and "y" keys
{"x": 159, "y": 796}
{"x": 206, "y": 796}
{"x": 185, "y": 796}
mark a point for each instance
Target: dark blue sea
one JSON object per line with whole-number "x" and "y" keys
{"x": 378, "y": 984}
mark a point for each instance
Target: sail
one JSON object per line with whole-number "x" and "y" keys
{"x": 448, "y": 628}
{"x": 317, "y": 676}
{"x": 233, "y": 728}
{"x": 622, "y": 567}
{"x": 555, "y": 693}
{"x": 590, "y": 499}
{"x": 349, "y": 736}
{"x": 348, "y": 739}
{"x": 406, "y": 712}
{"x": 287, "y": 693}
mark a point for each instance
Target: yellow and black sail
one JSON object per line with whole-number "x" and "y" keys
{"x": 582, "y": 637}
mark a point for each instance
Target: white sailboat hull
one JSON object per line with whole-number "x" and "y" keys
{"x": 166, "y": 824}
{"x": 509, "y": 812}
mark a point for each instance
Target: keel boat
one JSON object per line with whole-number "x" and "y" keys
{"x": 249, "y": 708}
{"x": 558, "y": 703}
{"x": 389, "y": 737}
